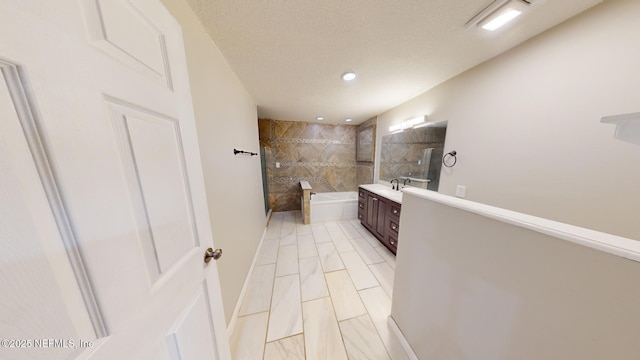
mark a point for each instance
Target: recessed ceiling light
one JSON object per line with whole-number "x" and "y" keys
{"x": 319, "y": 118}
{"x": 348, "y": 120}
{"x": 499, "y": 13}
{"x": 500, "y": 20}
{"x": 348, "y": 76}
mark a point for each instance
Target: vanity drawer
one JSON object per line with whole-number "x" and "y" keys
{"x": 361, "y": 194}
{"x": 393, "y": 227}
{"x": 393, "y": 241}
{"x": 361, "y": 209}
{"x": 394, "y": 209}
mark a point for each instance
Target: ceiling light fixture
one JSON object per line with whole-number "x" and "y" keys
{"x": 348, "y": 120}
{"x": 348, "y": 76}
{"x": 499, "y": 13}
{"x": 319, "y": 118}
{"x": 500, "y": 20}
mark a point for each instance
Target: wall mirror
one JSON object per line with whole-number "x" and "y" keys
{"x": 365, "y": 143}
{"x": 414, "y": 154}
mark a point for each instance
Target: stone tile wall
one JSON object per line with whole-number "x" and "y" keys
{"x": 322, "y": 154}
{"x": 364, "y": 170}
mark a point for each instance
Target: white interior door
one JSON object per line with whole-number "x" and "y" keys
{"x": 103, "y": 215}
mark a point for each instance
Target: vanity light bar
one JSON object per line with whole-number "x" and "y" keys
{"x": 416, "y": 122}
{"x": 396, "y": 127}
{"x": 422, "y": 125}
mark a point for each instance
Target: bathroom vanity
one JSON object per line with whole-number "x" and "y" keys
{"x": 379, "y": 212}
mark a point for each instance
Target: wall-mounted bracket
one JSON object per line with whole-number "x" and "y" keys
{"x": 236, "y": 152}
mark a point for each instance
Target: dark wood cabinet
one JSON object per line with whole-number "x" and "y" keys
{"x": 361, "y": 205}
{"x": 375, "y": 209}
{"x": 380, "y": 216}
{"x": 370, "y": 206}
{"x": 392, "y": 225}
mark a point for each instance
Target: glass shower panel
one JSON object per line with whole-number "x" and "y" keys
{"x": 265, "y": 186}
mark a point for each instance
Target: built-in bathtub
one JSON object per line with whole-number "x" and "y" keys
{"x": 334, "y": 206}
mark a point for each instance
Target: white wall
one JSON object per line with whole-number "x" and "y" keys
{"x": 492, "y": 290}
{"x": 526, "y": 124}
{"x": 226, "y": 118}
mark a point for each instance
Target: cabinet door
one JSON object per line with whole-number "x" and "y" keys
{"x": 372, "y": 210}
{"x": 380, "y": 215}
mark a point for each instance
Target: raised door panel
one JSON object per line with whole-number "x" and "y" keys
{"x": 121, "y": 29}
{"x": 154, "y": 160}
{"x": 372, "y": 208}
{"x": 381, "y": 212}
{"x": 192, "y": 336}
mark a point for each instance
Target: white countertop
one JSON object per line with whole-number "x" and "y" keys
{"x": 384, "y": 191}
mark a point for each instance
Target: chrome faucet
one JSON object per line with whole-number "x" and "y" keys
{"x": 397, "y": 186}
{"x": 404, "y": 183}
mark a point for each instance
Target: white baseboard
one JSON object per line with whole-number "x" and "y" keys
{"x": 403, "y": 341}
{"x": 236, "y": 310}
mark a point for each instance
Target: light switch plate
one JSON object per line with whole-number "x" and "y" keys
{"x": 461, "y": 191}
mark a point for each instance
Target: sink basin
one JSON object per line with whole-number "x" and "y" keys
{"x": 389, "y": 193}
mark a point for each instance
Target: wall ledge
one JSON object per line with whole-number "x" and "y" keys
{"x": 627, "y": 126}
{"x": 612, "y": 244}
{"x": 305, "y": 185}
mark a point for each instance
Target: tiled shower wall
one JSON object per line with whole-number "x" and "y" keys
{"x": 323, "y": 154}
{"x": 364, "y": 170}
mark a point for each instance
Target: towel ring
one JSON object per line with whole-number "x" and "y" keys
{"x": 451, "y": 154}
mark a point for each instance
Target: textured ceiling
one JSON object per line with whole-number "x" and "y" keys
{"x": 290, "y": 54}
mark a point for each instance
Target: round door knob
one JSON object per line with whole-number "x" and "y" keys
{"x": 212, "y": 254}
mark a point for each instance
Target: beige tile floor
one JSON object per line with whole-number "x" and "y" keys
{"x": 320, "y": 291}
